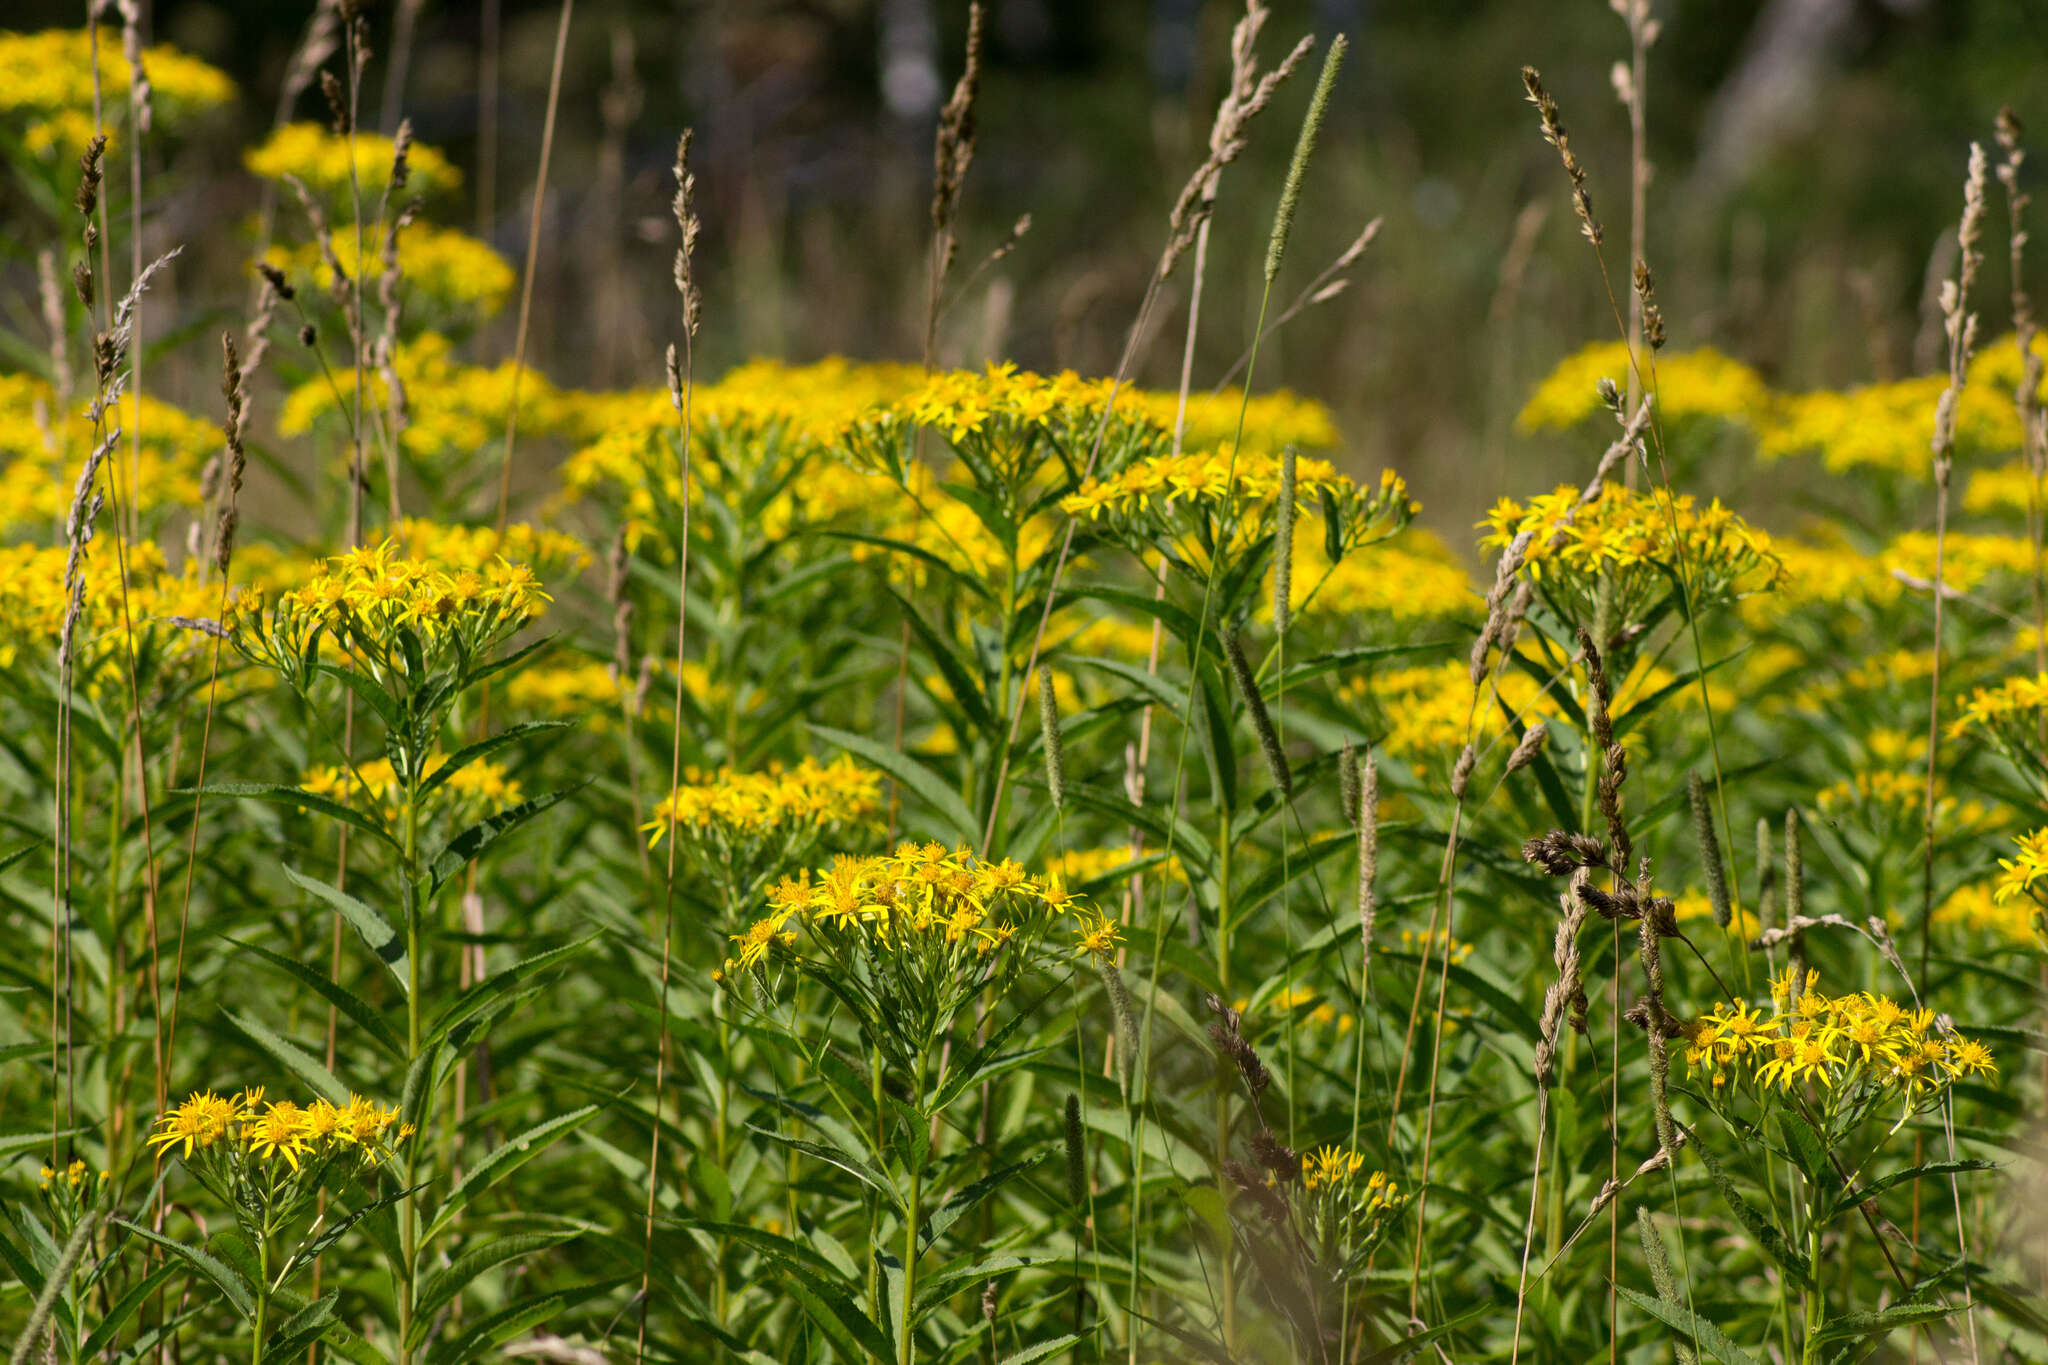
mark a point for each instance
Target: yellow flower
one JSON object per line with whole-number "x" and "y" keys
{"x": 449, "y": 270}
{"x": 733, "y": 804}
{"x": 2026, "y": 869}
{"x": 1635, "y": 542}
{"x": 202, "y": 1120}
{"x": 1690, "y": 385}
{"x": 46, "y": 84}
{"x": 1100, "y": 937}
{"x": 323, "y": 160}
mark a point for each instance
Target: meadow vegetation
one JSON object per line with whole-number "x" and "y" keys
{"x": 866, "y": 861}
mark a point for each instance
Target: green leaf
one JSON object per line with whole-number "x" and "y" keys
{"x": 835, "y": 1156}
{"x": 1691, "y": 1326}
{"x": 1876, "y": 1187}
{"x": 960, "y": 678}
{"x": 116, "y": 1317}
{"x": 378, "y": 700}
{"x": 1041, "y": 1350}
{"x": 496, "y": 989}
{"x": 377, "y": 934}
{"x": 515, "y": 1319}
{"x": 835, "y": 1313}
{"x": 457, "y": 853}
{"x": 280, "y": 794}
{"x": 929, "y": 786}
{"x": 302, "y": 1328}
{"x": 441, "y": 1287}
{"x": 1758, "y": 1226}
{"x": 503, "y": 1162}
{"x": 1884, "y": 1320}
{"x": 292, "y": 1058}
{"x": 358, "y": 1010}
{"x": 484, "y": 748}
{"x": 964, "y": 1200}
{"x": 1408, "y": 1346}
{"x": 223, "y": 1277}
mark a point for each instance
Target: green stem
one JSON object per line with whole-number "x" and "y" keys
{"x": 906, "y": 1345}
{"x": 1229, "y": 1274}
{"x": 262, "y": 1300}
{"x": 408, "y": 1210}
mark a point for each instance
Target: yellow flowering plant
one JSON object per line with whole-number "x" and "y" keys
{"x": 925, "y": 952}
{"x": 268, "y": 1161}
{"x": 47, "y": 92}
{"x": 741, "y": 829}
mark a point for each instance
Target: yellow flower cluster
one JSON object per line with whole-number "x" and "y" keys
{"x": 46, "y": 83}
{"x": 1967, "y": 560}
{"x": 1272, "y": 421}
{"x": 1079, "y": 866}
{"x": 1204, "y": 476}
{"x": 1888, "y": 427}
{"x": 1978, "y": 909}
{"x": 1428, "y": 708}
{"x": 477, "y": 548}
{"x": 452, "y": 410}
{"x": 1693, "y": 906}
{"x": 32, "y": 608}
{"x": 756, "y": 805}
{"x": 376, "y": 598}
{"x": 1690, "y": 386}
{"x": 323, "y": 160}
{"x": 1901, "y": 670}
{"x": 43, "y": 449}
{"x": 922, "y": 908}
{"x": 1321, "y": 1013}
{"x": 2007, "y": 488}
{"x": 1001, "y": 400}
{"x": 1832, "y": 1040}
{"x": 473, "y": 789}
{"x": 451, "y": 271}
{"x": 2021, "y": 702}
{"x": 1890, "y": 797}
{"x": 753, "y": 426}
{"x": 1636, "y": 540}
{"x": 1408, "y": 579}
{"x": 1827, "y": 574}
{"x": 1206, "y": 505}
{"x": 247, "y": 1127}
{"x": 1339, "y": 1169}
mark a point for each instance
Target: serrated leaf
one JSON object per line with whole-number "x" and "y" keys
{"x": 484, "y": 748}
{"x": 502, "y": 1162}
{"x": 459, "y": 851}
{"x": 1694, "y": 1328}
{"x": 278, "y": 793}
{"x": 223, "y": 1277}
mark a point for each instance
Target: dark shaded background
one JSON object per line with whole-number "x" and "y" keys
{"x": 1808, "y": 154}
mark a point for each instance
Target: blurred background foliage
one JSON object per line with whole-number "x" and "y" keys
{"x": 1806, "y": 156}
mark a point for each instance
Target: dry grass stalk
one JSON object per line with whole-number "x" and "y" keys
{"x": 1959, "y": 325}
{"x": 1554, "y": 133}
{"x": 680, "y": 373}
{"x": 1249, "y": 93}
